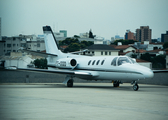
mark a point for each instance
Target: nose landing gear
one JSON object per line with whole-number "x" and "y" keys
{"x": 135, "y": 85}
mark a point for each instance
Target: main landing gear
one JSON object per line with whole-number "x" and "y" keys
{"x": 135, "y": 85}
{"x": 70, "y": 83}
{"x": 116, "y": 83}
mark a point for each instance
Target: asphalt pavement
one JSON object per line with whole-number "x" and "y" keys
{"x": 85, "y": 101}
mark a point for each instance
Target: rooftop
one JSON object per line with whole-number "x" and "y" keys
{"x": 101, "y": 47}
{"x": 155, "y": 51}
{"x": 123, "y": 47}
{"x": 140, "y": 60}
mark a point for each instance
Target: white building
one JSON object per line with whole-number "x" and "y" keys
{"x": 57, "y": 34}
{"x": 16, "y": 61}
{"x": 101, "y": 50}
{"x": 0, "y": 30}
{"x": 84, "y": 35}
{"x": 153, "y": 46}
{"x": 166, "y": 61}
{"x": 13, "y": 44}
{"x": 36, "y": 45}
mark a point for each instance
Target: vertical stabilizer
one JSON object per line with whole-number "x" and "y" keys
{"x": 50, "y": 41}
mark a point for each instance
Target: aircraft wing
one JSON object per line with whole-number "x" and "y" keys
{"x": 159, "y": 71}
{"x": 37, "y": 53}
{"x": 75, "y": 73}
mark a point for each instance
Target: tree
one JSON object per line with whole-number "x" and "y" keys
{"x": 91, "y": 34}
{"x": 72, "y": 47}
{"x": 68, "y": 41}
{"x": 165, "y": 45}
{"x": 40, "y": 63}
{"x": 159, "y": 61}
{"x": 134, "y": 56}
{"x": 76, "y": 36}
{"x": 146, "y": 57}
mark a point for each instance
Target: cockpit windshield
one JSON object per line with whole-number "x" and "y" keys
{"x": 123, "y": 60}
{"x": 132, "y": 60}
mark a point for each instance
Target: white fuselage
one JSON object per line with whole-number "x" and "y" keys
{"x": 102, "y": 68}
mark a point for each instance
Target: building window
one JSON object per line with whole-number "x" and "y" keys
{"x": 105, "y": 53}
{"x": 8, "y": 45}
{"x": 4, "y": 45}
{"x": 8, "y": 51}
{"x": 14, "y": 45}
{"x": 14, "y": 50}
{"x": 101, "y": 52}
{"x": 109, "y": 53}
{"x": 38, "y": 44}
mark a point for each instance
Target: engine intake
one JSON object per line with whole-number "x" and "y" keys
{"x": 66, "y": 63}
{"x": 73, "y": 62}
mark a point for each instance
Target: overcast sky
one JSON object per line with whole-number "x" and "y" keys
{"x": 106, "y": 18}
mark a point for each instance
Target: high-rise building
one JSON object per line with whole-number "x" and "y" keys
{"x": 143, "y": 34}
{"x": 0, "y": 30}
{"x": 129, "y": 35}
{"x": 164, "y": 37}
{"x": 64, "y": 31}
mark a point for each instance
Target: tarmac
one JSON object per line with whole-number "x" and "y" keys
{"x": 84, "y": 101}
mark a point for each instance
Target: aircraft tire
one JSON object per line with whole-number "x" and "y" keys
{"x": 116, "y": 84}
{"x": 135, "y": 87}
{"x": 70, "y": 83}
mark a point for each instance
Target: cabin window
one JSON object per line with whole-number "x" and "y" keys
{"x": 105, "y": 53}
{"x": 102, "y": 62}
{"x": 101, "y": 52}
{"x": 114, "y": 61}
{"x": 89, "y": 62}
{"x": 109, "y": 53}
{"x": 97, "y": 62}
{"x": 93, "y": 62}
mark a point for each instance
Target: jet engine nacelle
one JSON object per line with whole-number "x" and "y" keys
{"x": 66, "y": 63}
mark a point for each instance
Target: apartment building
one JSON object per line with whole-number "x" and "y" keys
{"x": 143, "y": 34}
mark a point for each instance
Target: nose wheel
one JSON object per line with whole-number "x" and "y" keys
{"x": 135, "y": 85}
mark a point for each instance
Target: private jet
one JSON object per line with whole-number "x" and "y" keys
{"x": 113, "y": 68}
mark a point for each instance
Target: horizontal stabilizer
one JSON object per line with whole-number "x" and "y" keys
{"x": 37, "y": 53}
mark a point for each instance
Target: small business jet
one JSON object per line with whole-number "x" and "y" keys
{"x": 116, "y": 68}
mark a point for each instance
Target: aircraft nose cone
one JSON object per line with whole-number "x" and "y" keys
{"x": 148, "y": 74}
